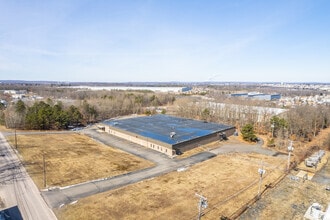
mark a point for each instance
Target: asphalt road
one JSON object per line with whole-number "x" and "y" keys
{"x": 66, "y": 195}
{"x": 132, "y": 148}
{"x": 164, "y": 164}
{"x": 17, "y": 188}
{"x": 241, "y": 148}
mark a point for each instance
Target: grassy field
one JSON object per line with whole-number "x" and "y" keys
{"x": 228, "y": 181}
{"x": 72, "y": 158}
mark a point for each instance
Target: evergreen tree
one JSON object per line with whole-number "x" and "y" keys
{"x": 248, "y": 133}
{"x": 60, "y": 117}
{"x": 74, "y": 116}
{"x": 279, "y": 125}
{"x": 20, "y": 107}
{"x": 20, "y": 111}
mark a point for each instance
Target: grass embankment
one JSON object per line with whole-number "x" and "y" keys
{"x": 72, "y": 158}
{"x": 227, "y": 181}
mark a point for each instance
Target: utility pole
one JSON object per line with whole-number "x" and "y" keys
{"x": 202, "y": 204}
{"x": 272, "y": 126}
{"x": 290, "y": 149}
{"x": 15, "y": 138}
{"x": 261, "y": 172}
{"x": 44, "y": 169}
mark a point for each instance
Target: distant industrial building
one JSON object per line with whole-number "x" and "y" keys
{"x": 167, "y": 134}
{"x": 260, "y": 96}
{"x": 168, "y": 89}
{"x": 239, "y": 94}
{"x": 3, "y": 102}
{"x": 241, "y": 111}
{"x": 268, "y": 97}
{"x": 16, "y": 94}
{"x": 186, "y": 89}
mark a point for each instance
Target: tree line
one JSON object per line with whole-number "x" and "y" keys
{"x": 42, "y": 116}
{"x": 71, "y": 111}
{"x": 299, "y": 123}
{"x": 76, "y": 107}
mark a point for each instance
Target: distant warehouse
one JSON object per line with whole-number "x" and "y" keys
{"x": 167, "y": 134}
{"x": 260, "y": 96}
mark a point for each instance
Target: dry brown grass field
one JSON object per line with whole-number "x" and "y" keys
{"x": 72, "y": 158}
{"x": 3, "y": 128}
{"x": 291, "y": 198}
{"x": 227, "y": 181}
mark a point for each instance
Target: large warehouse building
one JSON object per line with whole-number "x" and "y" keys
{"x": 167, "y": 134}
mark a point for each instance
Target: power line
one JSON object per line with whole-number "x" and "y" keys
{"x": 202, "y": 204}
{"x": 290, "y": 149}
{"x": 261, "y": 172}
{"x": 44, "y": 170}
{"x": 15, "y": 138}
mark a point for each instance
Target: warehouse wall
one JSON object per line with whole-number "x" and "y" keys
{"x": 146, "y": 142}
{"x": 188, "y": 145}
{"x": 163, "y": 147}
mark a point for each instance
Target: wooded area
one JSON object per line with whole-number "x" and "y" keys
{"x": 299, "y": 123}
{"x": 72, "y": 108}
{"x": 66, "y": 108}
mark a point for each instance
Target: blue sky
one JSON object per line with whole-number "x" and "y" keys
{"x": 165, "y": 40}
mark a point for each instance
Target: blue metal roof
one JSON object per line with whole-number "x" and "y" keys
{"x": 159, "y": 127}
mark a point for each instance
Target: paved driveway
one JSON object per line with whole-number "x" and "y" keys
{"x": 244, "y": 148}
{"x": 132, "y": 148}
{"x": 58, "y": 197}
{"x": 163, "y": 165}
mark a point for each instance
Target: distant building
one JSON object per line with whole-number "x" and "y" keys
{"x": 16, "y": 94}
{"x": 167, "y": 134}
{"x": 239, "y": 95}
{"x": 268, "y": 97}
{"x": 186, "y": 89}
{"x": 3, "y": 102}
{"x": 260, "y": 96}
{"x": 240, "y": 111}
{"x": 169, "y": 89}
